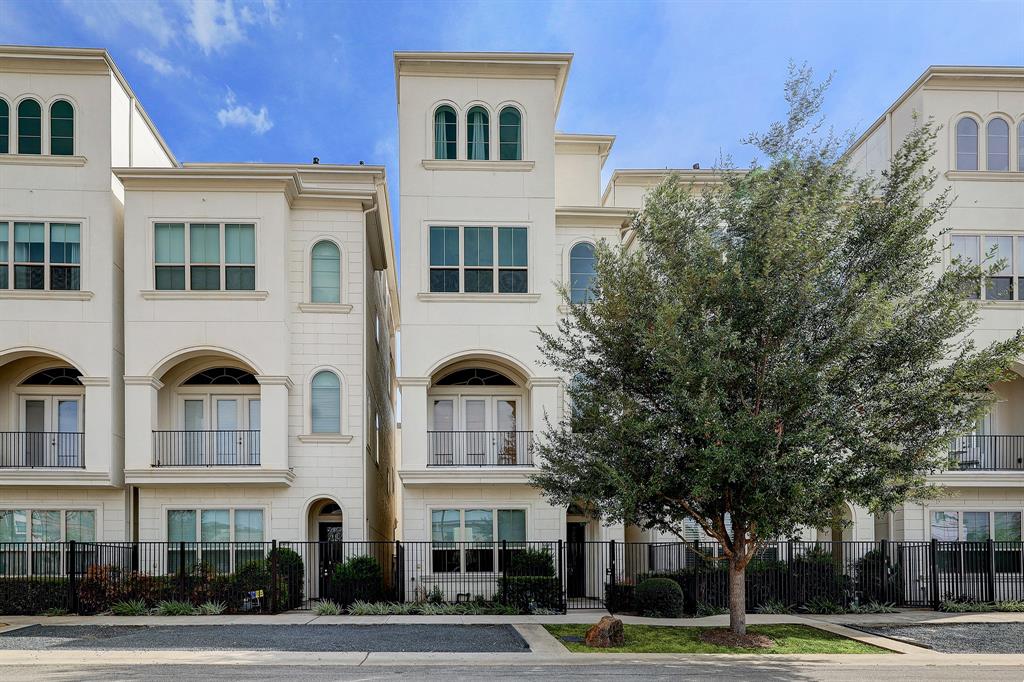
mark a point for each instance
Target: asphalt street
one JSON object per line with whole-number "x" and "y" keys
{"x": 957, "y": 638}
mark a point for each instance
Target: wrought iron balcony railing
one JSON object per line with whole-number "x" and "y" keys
{"x": 987, "y": 453}
{"x": 480, "y": 448}
{"x": 42, "y": 449}
{"x": 206, "y": 448}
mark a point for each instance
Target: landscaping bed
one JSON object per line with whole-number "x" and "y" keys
{"x": 662, "y": 639}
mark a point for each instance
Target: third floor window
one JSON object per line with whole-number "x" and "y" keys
{"x": 205, "y": 256}
{"x": 476, "y": 259}
{"x": 1007, "y": 283}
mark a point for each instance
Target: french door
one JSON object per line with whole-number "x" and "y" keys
{"x": 475, "y": 430}
{"x": 226, "y": 430}
{"x": 52, "y": 425}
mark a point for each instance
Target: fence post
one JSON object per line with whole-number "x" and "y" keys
{"x": 610, "y": 605}
{"x": 275, "y": 587}
{"x": 561, "y": 577}
{"x": 72, "y": 578}
{"x": 885, "y": 571}
{"x": 181, "y": 572}
{"x": 399, "y": 572}
{"x": 990, "y": 555}
{"x": 934, "y": 557}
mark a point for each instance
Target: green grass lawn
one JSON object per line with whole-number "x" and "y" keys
{"x": 662, "y": 639}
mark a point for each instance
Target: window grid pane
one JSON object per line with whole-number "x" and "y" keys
{"x": 325, "y": 273}
{"x": 999, "y": 287}
{"x": 4, "y": 255}
{"x": 477, "y": 135}
{"x": 30, "y": 127}
{"x": 445, "y": 133}
{"x": 204, "y": 243}
{"x": 5, "y": 128}
{"x": 325, "y": 403}
{"x": 967, "y": 144}
{"x": 581, "y": 272}
{"x": 998, "y": 145}
{"x": 62, "y": 128}
{"x": 29, "y": 247}
{"x": 81, "y": 526}
{"x": 509, "y": 134}
{"x": 240, "y": 244}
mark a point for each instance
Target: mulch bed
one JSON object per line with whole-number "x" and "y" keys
{"x": 731, "y": 639}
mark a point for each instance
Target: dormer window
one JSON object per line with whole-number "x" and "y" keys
{"x": 478, "y": 134}
{"x": 445, "y": 133}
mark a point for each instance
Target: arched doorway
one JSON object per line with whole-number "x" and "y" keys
{"x": 326, "y": 528}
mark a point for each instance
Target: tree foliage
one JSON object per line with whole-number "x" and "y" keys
{"x": 772, "y": 346}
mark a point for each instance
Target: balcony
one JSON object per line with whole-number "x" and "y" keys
{"x": 480, "y": 448}
{"x": 42, "y": 450}
{"x": 206, "y": 448}
{"x": 987, "y": 453}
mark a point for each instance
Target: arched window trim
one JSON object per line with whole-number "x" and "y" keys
{"x": 1009, "y": 142}
{"x": 522, "y": 127}
{"x": 308, "y": 411}
{"x": 432, "y": 130}
{"x": 488, "y": 133}
{"x": 74, "y": 124}
{"x": 568, "y": 259}
{"x": 341, "y": 270}
{"x": 16, "y": 117}
{"x": 5, "y": 132}
{"x": 1020, "y": 145}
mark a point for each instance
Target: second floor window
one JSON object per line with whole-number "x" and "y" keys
{"x": 581, "y": 272}
{"x": 325, "y": 402}
{"x": 40, "y": 256}
{"x": 325, "y": 273}
{"x": 205, "y": 257}
{"x": 1006, "y": 284}
{"x": 490, "y": 260}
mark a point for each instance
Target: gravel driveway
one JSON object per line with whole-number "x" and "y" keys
{"x": 377, "y": 638}
{"x": 957, "y": 638}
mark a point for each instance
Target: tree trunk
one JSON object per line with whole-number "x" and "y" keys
{"x": 737, "y": 597}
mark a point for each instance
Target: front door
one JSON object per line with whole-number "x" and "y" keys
{"x": 576, "y": 559}
{"x": 329, "y": 533}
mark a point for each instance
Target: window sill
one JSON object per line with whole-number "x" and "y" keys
{"x": 220, "y": 295}
{"x": 991, "y": 176}
{"x": 41, "y": 160}
{"x": 466, "y": 165}
{"x": 336, "y": 308}
{"x": 45, "y": 295}
{"x": 478, "y": 298}
{"x": 1003, "y": 305}
{"x": 325, "y": 438}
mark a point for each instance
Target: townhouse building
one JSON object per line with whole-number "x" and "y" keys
{"x": 197, "y": 352}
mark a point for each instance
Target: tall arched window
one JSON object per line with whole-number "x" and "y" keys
{"x": 510, "y": 137}
{"x": 1020, "y": 146}
{"x": 581, "y": 272}
{"x": 325, "y": 273}
{"x": 997, "y": 143}
{"x": 967, "y": 144}
{"x": 325, "y": 402}
{"x": 5, "y": 127}
{"x": 62, "y": 128}
{"x": 30, "y": 127}
{"x": 478, "y": 134}
{"x": 446, "y": 127}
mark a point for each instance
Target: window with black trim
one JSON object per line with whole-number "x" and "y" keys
{"x": 479, "y": 259}
{"x": 40, "y": 255}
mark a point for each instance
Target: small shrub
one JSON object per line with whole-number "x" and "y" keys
{"x": 874, "y": 607}
{"x": 436, "y": 595}
{"x": 774, "y": 606}
{"x": 823, "y": 605}
{"x": 1014, "y": 605}
{"x": 358, "y": 579}
{"x": 211, "y": 608}
{"x": 130, "y": 607}
{"x": 530, "y": 562}
{"x": 528, "y": 593}
{"x": 32, "y": 596}
{"x": 957, "y": 606}
{"x": 175, "y": 608}
{"x": 327, "y": 608}
{"x": 55, "y": 611}
{"x": 659, "y": 598}
{"x": 292, "y": 572}
{"x": 362, "y": 608}
{"x": 705, "y": 609}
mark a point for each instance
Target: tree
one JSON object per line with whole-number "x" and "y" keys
{"x": 768, "y": 349}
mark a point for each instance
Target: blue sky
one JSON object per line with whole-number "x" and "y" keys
{"x": 677, "y": 82}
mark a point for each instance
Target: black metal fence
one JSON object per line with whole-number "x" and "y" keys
{"x": 270, "y": 577}
{"x": 42, "y": 449}
{"x": 480, "y": 448}
{"x": 206, "y": 448}
{"x": 987, "y": 453}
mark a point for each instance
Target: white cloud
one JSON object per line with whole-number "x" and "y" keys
{"x": 214, "y": 25}
{"x": 162, "y": 66}
{"x": 108, "y": 18}
{"x": 235, "y": 114}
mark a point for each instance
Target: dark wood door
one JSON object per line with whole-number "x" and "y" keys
{"x": 576, "y": 559}
{"x": 331, "y": 552}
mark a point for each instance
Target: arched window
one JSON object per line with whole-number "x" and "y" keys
{"x": 997, "y": 141}
{"x": 581, "y": 272}
{"x": 967, "y": 144}
{"x": 325, "y": 402}
{"x": 1020, "y": 146}
{"x": 62, "y": 128}
{"x": 446, "y": 128}
{"x": 57, "y": 376}
{"x": 510, "y": 135}
{"x": 5, "y": 127}
{"x": 221, "y": 376}
{"x": 325, "y": 273}
{"x": 478, "y": 134}
{"x": 30, "y": 128}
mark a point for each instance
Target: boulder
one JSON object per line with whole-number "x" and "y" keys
{"x": 605, "y": 633}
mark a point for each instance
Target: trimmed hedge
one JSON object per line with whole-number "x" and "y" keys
{"x": 358, "y": 579}
{"x": 32, "y": 596}
{"x": 527, "y": 592}
{"x": 659, "y": 598}
{"x": 292, "y": 571}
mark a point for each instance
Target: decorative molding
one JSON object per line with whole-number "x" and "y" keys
{"x": 336, "y": 438}
{"x": 144, "y": 380}
{"x": 41, "y": 160}
{"x": 274, "y": 380}
{"x": 477, "y": 298}
{"x": 218, "y": 295}
{"x": 335, "y": 308}
{"x": 988, "y": 176}
{"x": 209, "y": 476}
{"x": 543, "y": 382}
{"x": 413, "y": 381}
{"x": 466, "y": 165}
{"x": 979, "y": 479}
{"x": 94, "y": 381}
{"x": 77, "y": 478}
{"x": 44, "y": 295}
{"x": 470, "y": 475}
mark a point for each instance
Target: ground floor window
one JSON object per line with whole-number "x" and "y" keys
{"x": 220, "y": 540}
{"x": 469, "y": 540}
{"x": 41, "y": 531}
{"x": 1004, "y": 527}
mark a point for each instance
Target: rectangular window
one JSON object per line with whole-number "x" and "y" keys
{"x": 40, "y": 256}
{"x": 29, "y": 255}
{"x": 46, "y": 530}
{"x": 65, "y": 256}
{"x": 13, "y": 529}
{"x": 469, "y": 540}
{"x": 208, "y": 535}
{"x": 444, "y": 528}
{"x": 990, "y": 250}
{"x": 181, "y": 528}
{"x": 1007, "y": 534}
{"x": 248, "y": 529}
{"x": 489, "y": 263}
{"x": 216, "y": 257}
{"x": 4, "y": 256}
{"x": 215, "y": 534}
{"x": 999, "y": 287}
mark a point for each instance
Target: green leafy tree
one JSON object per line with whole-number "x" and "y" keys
{"x": 772, "y": 347}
